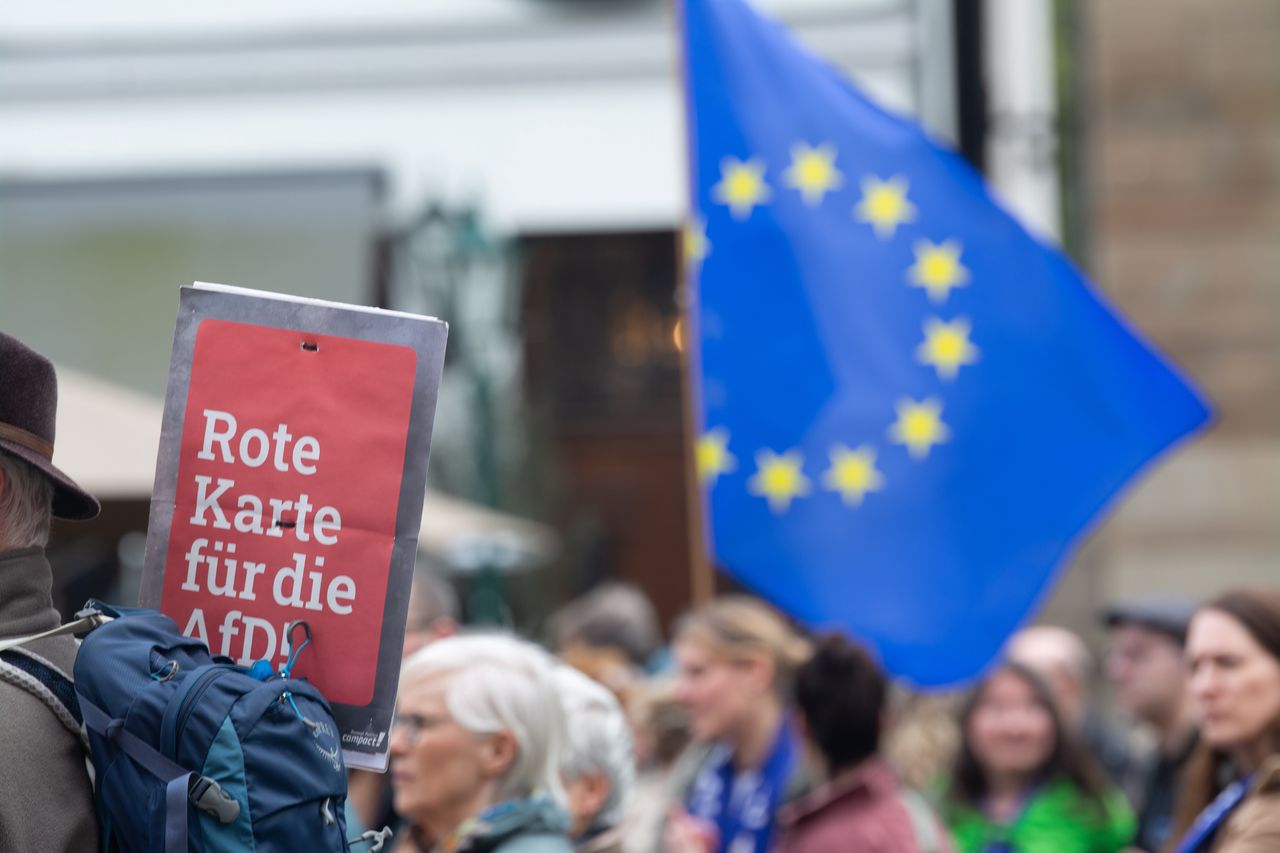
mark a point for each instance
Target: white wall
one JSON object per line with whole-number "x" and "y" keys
{"x": 552, "y": 115}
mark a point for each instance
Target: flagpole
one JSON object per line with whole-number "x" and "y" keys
{"x": 702, "y": 581}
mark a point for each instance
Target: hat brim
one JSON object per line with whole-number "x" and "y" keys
{"x": 1172, "y": 625}
{"x": 70, "y": 502}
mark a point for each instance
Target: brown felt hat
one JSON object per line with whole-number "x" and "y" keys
{"x": 28, "y": 410}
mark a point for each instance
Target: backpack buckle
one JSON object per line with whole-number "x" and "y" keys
{"x": 208, "y": 796}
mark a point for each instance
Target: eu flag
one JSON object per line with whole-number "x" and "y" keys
{"x": 911, "y": 409}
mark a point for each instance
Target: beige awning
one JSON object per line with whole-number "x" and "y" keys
{"x": 107, "y": 439}
{"x": 107, "y": 436}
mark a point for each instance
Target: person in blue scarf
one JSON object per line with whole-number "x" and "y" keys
{"x": 1231, "y": 788}
{"x": 735, "y": 660}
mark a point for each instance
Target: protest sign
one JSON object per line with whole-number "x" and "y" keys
{"x": 289, "y": 487}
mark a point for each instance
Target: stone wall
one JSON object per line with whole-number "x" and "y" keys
{"x": 1181, "y": 180}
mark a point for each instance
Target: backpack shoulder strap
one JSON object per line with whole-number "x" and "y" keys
{"x": 87, "y": 622}
{"x": 30, "y": 672}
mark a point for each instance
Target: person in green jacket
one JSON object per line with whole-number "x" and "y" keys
{"x": 1020, "y": 783}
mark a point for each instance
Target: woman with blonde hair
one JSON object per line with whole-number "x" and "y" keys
{"x": 1230, "y": 799}
{"x": 736, "y": 659}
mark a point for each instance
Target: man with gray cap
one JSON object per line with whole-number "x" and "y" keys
{"x": 1146, "y": 666}
{"x": 46, "y": 802}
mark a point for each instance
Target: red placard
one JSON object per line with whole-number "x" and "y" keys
{"x": 289, "y": 478}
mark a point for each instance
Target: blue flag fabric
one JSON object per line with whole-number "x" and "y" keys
{"x": 910, "y": 408}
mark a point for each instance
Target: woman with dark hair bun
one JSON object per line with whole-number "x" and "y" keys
{"x": 861, "y": 806}
{"x": 1021, "y": 785}
{"x": 1231, "y": 789}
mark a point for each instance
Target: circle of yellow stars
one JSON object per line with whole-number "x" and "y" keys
{"x": 938, "y": 270}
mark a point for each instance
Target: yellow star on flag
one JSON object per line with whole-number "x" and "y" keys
{"x": 742, "y": 186}
{"x": 779, "y": 479}
{"x": 813, "y": 172}
{"x": 696, "y": 245}
{"x": 938, "y": 269}
{"x": 713, "y": 456}
{"x": 884, "y": 205}
{"x": 853, "y": 473}
{"x": 947, "y": 346}
{"x": 919, "y": 426}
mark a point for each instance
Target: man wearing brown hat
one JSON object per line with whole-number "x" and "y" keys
{"x": 46, "y": 802}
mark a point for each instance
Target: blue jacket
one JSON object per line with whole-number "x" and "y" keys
{"x": 536, "y": 825}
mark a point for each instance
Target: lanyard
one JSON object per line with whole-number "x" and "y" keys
{"x": 743, "y": 805}
{"x": 1215, "y": 814}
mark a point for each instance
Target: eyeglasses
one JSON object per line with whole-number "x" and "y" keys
{"x": 412, "y": 724}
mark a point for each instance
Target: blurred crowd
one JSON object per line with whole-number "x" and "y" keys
{"x": 738, "y": 733}
{"x": 746, "y": 734}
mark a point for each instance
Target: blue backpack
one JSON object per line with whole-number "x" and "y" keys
{"x": 191, "y": 752}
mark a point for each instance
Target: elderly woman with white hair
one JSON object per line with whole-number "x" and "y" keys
{"x": 476, "y": 747}
{"x": 598, "y": 765}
